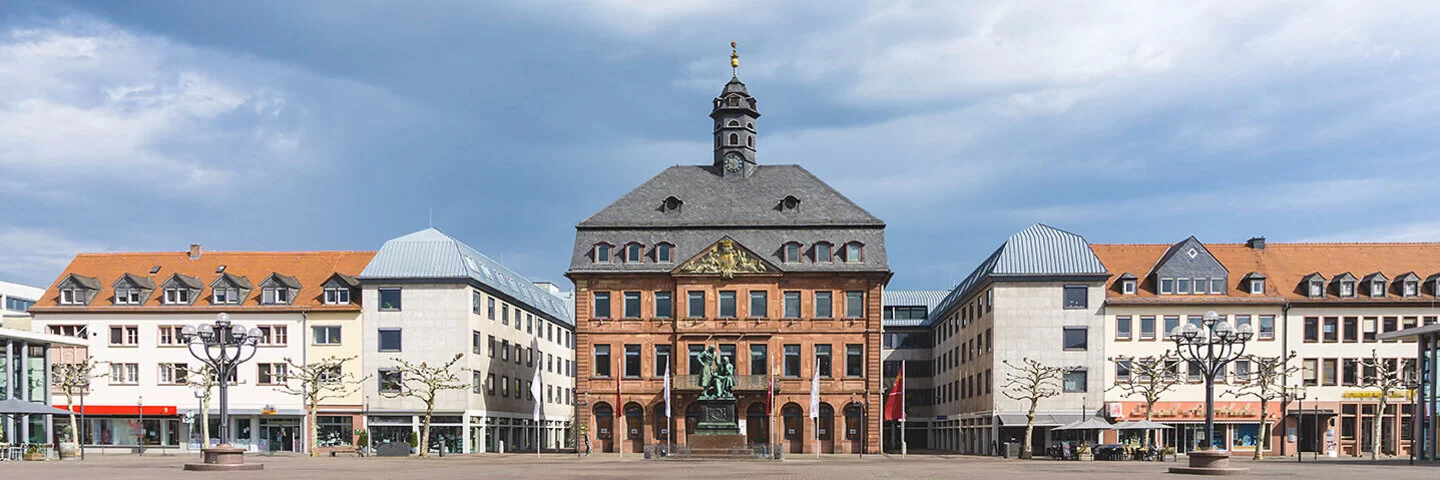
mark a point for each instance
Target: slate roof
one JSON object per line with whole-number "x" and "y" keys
{"x": 912, "y": 298}
{"x": 309, "y": 268}
{"x": 1037, "y": 251}
{"x": 712, "y": 200}
{"x": 431, "y": 254}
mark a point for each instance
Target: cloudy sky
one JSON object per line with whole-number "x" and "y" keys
{"x": 270, "y": 125}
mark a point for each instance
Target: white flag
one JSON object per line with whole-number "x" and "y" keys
{"x": 815, "y": 395}
{"x": 667, "y": 391}
{"x": 536, "y": 391}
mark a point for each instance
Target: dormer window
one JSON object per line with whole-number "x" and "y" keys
{"x": 127, "y": 296}
{"x": 177, "y": 296}
{"x": 1409, "y": 285}
{"x": 602, "y": 253}
{"x": 1257, "y": 286}
{"x": 280, "y": 289}
{"x": 71, "y": 296}
{"x": 854, "y": 252}
{"x": 823, "y": 252}
{"x": 1377, "y": 289}
{"x": 337, "y": 296}
{"x": 792, "y": 252}
{"x": 1127, "y": 286}
{"x": 634, "y": 252}
{"x": 225, "y": 296}
{"x": 275, "y": 296}
{"x": 1167, "y": 286}
{"x": 671, "y": 204}
{"x": 1347, "y": 289}
{"x": 1317, "y": 289}
{"x": 789, "y": 203}
{"x": 663, "y": 252}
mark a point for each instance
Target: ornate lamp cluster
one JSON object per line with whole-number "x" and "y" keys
{"x": 1211, "y": 347}
{"x": 223, "y": 346}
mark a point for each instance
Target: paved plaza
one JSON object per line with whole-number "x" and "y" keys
{"x": 631, "y": 467}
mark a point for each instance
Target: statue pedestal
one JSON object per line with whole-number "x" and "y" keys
{"x": 223, "y": 458}
{"x": 718, "y": 433}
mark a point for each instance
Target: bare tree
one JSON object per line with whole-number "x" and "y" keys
{"x": 72, "y": 379}
{"x": 424, "y": 382}
{"x": 1150, "y": 377}
{"x": 1032, "y": 381}
{"x": 1386, "y": 376}
{"x": 205, "y": 380}
{"x": 315, "y": 383}
{"x": 1264, "y": 382}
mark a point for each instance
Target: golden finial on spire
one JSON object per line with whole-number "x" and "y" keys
{"x": 734, "y": 58}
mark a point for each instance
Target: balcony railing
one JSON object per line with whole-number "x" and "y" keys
{"x": 742, "y": 382}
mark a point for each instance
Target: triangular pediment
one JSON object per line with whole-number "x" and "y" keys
{"x": 726, "y": 258}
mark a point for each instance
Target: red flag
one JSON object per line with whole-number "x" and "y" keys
{"x": 895, "y": 401}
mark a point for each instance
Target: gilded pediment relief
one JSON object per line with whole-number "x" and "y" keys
{"x": 726, "y": 259}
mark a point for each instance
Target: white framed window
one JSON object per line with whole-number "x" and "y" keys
{"x": 325, "y": 334}
{"x": 338, "y": 296}
{"x": 1217, "y": 285}
{"x": 274, "y": 335}
{"x": 1182, "y": 286}
{"x": 174, "y": 373}
{"x": 854, "y": 252}
{"x": 1127, "y": 286}
{"x": 1377, "y": 288}
{"x": 225, "y": 296}
{"x": 663, "y": 253}
{"x": 177, "y": 296}
{"x": 271, "y": 373}
{"x": 823, "y": 252}
{"x": 1316, "y": 289}
{"x": 1167, "y": 286}
{"x": 169, "y": 335}
{"x": 602, "y": 253}
{"x": 68, "y": 296}
{"x": 127, "y": 296}
{"x": 124, "y": 335}
{"x": 1410, "y": 288}
{"x": 1257, "y": 286}
{"x": 1347, "y": 289}
{"x": 124, "y": 374}
{"x": 634, "y": 252}
{"x": 275, "y": 296}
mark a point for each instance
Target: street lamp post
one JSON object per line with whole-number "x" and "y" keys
{"x": 223, "y": 346}
{"x": 1298, "y": 393}
{"x": 1210, "y": 346}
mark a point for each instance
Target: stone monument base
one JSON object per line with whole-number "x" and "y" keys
{"x": 715, "y": 446}
{"x": 1210, "y": 462}
{"x": 717, "y": 417}
{"x": 223, "y": 458}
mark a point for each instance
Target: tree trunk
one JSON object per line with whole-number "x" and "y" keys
{"x": 1379, "y": 418}
{"x": 74, "y": 428}
{"x": 1149, "y": 433}
{"x": 312, "y": 440}
{"x": 1264, "y": 430}
{"x": 205, "y": 420}
{"x": 1025, "y": 450}
{"x": 425, "y": 429}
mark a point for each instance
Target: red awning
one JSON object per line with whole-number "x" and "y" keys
{"x": 157, "y": 410}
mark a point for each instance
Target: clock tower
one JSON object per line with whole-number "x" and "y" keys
{"x": 734, "y": 114}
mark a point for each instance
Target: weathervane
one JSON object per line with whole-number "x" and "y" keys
{"x": 734, "y": 59}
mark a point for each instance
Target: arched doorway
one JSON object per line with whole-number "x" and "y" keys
{"x": 635, "y": 427}
{"x": 827, "y": 428}
{"x": 604, "y": 427}
{"x": 757, "y": 424}
{"x": 692, "y": 420}
{"x": 854, "y": 427}
{"x": 660, "y": 424}
{"x": 794, "y": 428}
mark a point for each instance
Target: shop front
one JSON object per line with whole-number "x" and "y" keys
{"x": 1237, "y": 425}
{"x": 130, "y": 428}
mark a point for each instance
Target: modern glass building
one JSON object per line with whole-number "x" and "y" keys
{"x": 25, "y": 386}
{"x": 1427, "y": 387}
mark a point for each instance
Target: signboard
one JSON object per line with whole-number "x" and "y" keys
{"x": 268, "y": 410}
{"x": 941, "y": 417}
{"x": 1114, "y": 410}
{"x": 1375, "y": 394}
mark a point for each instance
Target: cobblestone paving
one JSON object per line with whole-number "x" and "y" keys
{"x": 632, "y": 467}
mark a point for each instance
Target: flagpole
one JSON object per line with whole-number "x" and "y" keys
{"x": 904, "y": 446}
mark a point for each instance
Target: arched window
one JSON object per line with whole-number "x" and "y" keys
{"x": 794, "y": 422}
{"x": 602, "y": 252}
{"x": 854, "y": 252}
{"x": 734, "y": 123}
{"x": 853, "y": 421}
{"x": 634, "y": 421}
{"x": 750, "y": 141}
{"x": 604, "y": 421}
{"x": 661, "y": 428}
{"x": 792, "y": 252}
{"x": 672, "y": 203}
{"x": 823, "y": 252}
{"x": 827, "y": 422}
{"x": 663, "y": 252}
{"x": 734, "y": 139}
{"x": 634, "y": 252}
{"x": 757, "y": 424}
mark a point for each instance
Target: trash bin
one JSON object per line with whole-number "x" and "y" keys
{"x": 1012, "y": 450}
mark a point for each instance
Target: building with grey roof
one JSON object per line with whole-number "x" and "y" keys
{"x": 428, "y": 297}
{"x": 768, "y": 263}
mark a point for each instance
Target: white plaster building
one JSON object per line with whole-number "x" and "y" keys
{"x": 15, "y": 303}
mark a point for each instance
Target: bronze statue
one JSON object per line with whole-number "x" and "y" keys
{"x": 717, "y": 375}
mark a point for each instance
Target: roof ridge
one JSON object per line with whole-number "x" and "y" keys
{"x": 228, "y": 252}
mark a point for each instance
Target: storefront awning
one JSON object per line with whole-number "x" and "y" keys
{"x": 1041, "y": 420}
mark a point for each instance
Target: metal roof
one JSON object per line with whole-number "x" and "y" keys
{"x": 912, "y": 298}
{"x": 1040, "y": 250}
{"x": 431, "y": 254}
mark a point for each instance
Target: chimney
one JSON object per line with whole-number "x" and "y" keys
{"x": 1257, "y": 243}
{"x": 194, "y": 251}
{"x": 548, "y": 287}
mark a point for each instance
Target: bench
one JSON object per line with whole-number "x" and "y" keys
{"x": 351, "y": 449}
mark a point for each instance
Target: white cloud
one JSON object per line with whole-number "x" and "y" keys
{"x": 82, "y": 101}
{"x": 27, "y": 255}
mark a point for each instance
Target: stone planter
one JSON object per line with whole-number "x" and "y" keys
{"x": 33, "y": 457}
{"x": 1086, "y": 457}
{"x": 68, "y": 450}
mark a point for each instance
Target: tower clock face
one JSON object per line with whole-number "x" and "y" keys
{"x": 734, "y": 163}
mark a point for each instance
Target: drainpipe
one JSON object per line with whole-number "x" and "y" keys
{"x": 305, "y": 360}
{"x": 1285, "y": 379}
